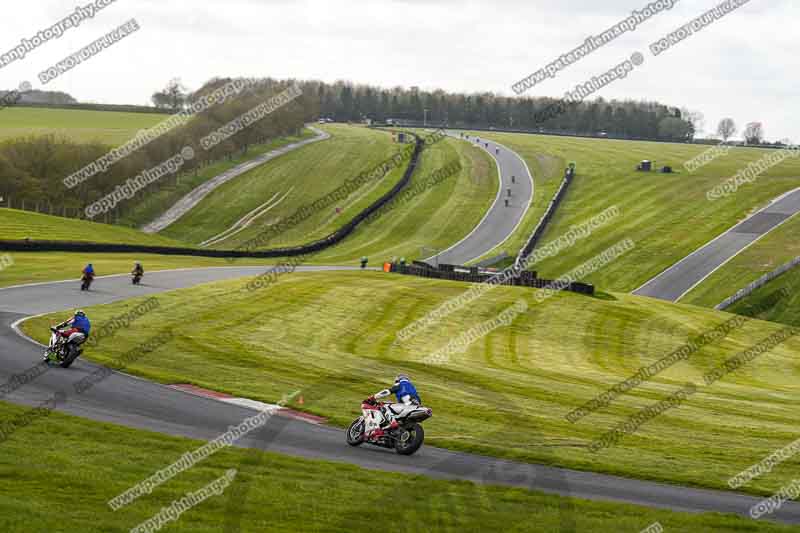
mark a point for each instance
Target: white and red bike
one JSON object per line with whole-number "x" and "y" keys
{"x": 64, "y": 350}
{"x": 405, "y": 436}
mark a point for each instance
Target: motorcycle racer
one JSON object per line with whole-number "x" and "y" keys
{"x": 79, "y": 323}
{"x": 67, "y": 338}
{"x": 407, "y": 398}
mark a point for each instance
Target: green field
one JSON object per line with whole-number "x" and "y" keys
{"x": 108, "y": 127}
{"x": 19, "y": 225}
{"x": 666, "y": 215}
{"x": 785, "y": 311}
{"x": 303, "y": 176}
{"x": 426, "y": 219}
{"x": 765, "y": 255}
{"x": 153, "y": 203}
{"x": 78, "y": 465}
{"x": 341, "y": 328}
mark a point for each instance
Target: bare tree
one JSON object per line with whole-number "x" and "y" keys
{"x": 161, "y": 99}
{"x": 176, "y": 93}
{"x": 754, "y": 133}
{"x": 726, "y": 129}
{"x": 696, "y": 118}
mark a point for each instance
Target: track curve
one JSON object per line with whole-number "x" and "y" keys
{"x": 138, "y": 403}
{"x": 500, "y": 220}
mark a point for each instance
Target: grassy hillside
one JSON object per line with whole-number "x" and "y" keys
{"x": 303, "y": 176}
{"x": 667, "y": 216}
{"x": 155, "y": 202}
{"x": 341, "y": 328}
{"x": 442, "y": 214}
{"x": 768, "y": 253}
{"x": 785, "y": 311}
{"x": 270, "y": 492}
{"x": 109, "y": 127}
{"x": 18, "y": 225}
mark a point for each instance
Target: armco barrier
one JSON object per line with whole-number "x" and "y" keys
{"x": 757, "y": 284}
{"x": 533, "y": 240}
{"x": 526, "y": 278}
{"x": 316, "y": 246}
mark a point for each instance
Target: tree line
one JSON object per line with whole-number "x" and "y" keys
{"x": 347, "y": 102}
{"x": 344, "y": 101}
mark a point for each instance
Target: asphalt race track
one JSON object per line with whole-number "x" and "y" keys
{"x": 684, "y": 275}
{"x": 500, "y": 221}
{"x": 134, "y": 402}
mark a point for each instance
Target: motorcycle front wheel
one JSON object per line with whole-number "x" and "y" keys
{"x": 410, "y": 440}
{"x": 355, "y": 433}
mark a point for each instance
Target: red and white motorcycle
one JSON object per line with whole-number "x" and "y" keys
{"x": 64, "y": 350}
{"x": 404, "y": 435}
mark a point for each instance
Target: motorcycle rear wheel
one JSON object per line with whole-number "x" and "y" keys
{"x": 70, "y": 357}
{"x": 355, "y": 433}
{"x": 410, "y": 441}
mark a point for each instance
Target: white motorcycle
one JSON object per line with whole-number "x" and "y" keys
{"x": 64, "y": 350}
{"x": 405, "y": 437}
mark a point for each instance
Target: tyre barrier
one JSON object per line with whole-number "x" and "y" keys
{"x": 306, "y": 249}
{"x": 533, "y": 240}
{"x": 526, "y": 278}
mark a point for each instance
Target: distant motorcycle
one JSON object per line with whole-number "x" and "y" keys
{"x": 137, "y": 278}
{"x": 86, "y": 281}
{"x": 405, "y": 439}
{"x": 64, "y": 350}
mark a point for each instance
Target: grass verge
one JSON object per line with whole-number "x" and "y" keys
{"x": 19, "y": 225}
{"x": 59, "y": 474}
{"x": 303, "y": 176}
{"x": 158, "y": 201}
{"x": 436, "y": 218}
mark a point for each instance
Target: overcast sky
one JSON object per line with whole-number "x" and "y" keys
{"x": 744, "y": 65}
